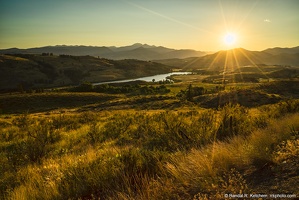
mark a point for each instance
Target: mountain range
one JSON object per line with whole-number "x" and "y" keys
{"x": 184, "y": 58}
{"x": 42, "y": 67}
{"x": 235, "y": 58}
{"x": 136, "y": 51}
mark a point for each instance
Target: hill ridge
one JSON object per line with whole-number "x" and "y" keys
{"x": 234, "y": 58}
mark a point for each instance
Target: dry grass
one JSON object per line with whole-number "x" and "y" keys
{"x": 142, "y": 155}
{"x": 200, "y": 169}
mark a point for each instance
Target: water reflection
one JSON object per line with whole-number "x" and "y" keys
{"x": 159, "y": 77}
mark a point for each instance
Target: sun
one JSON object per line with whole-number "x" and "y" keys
{"x": 230, "y": 39}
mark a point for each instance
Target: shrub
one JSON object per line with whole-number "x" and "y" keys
{"x": 282, "y": 108}
{"x": 234, "y": 120}
{"x": 287, "y": 150}
{"x": 23, "y": 121}
{"x": 83, "y": 87}
{"x": 94, "y": 133}
{"x": 40, "y": 136}
{"x": 231, "y": 182}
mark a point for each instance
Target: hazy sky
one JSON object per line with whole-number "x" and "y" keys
{"x": 179, "y": 24}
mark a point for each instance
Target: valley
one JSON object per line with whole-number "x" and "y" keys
{"x": 149, "y": 100}
{"x": 211, "y": 131}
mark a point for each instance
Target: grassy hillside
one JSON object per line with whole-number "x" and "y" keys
{"x": 127, "y": 154}
{"x": 22, "y": 72}
{"x": 188, "y": 139}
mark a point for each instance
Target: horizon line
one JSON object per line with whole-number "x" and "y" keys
{"x": 82, "y": 45}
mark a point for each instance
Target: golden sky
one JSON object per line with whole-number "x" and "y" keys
{"x": 188, "y": 24}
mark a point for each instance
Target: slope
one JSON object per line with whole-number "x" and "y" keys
{"x": 32, "y": 71}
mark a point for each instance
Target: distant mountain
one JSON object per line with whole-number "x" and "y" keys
{"x": 279, "y": 50}
{"x": 234, "y": 58}
{"x": 131, "y": 47}
{"x": 136, "y": 51}
{"x": 140, "y": 53}
{"x": 184, "y": 58}
{"x": 61, "y": 49}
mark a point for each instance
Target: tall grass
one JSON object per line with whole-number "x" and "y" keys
{"x": 193, "y": 154}
{"x": 200, "y": 169}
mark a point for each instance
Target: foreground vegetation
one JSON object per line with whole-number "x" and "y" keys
{"x": 199, "y": 137}
{"x": 190, "y": 153}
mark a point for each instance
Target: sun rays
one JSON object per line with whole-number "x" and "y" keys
{"x": 231, "y": 34}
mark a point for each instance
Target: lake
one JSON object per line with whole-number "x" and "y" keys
{"x": 158, "y": 77}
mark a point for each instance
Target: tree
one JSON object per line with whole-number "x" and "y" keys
{"x": 189, "y": 93}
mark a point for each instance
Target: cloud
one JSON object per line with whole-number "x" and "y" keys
{"x": 267, "y": 20}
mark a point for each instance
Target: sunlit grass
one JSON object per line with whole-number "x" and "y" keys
{"x": 197, "y": 169}
{"x": 129, "y": 154}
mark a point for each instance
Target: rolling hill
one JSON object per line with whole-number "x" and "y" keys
{"x": 235, "y": 58}
{"x": 33, "y": 71}
{"x": 32, "y": 68}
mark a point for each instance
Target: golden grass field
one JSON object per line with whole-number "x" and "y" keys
{"x": 90, "y": 145}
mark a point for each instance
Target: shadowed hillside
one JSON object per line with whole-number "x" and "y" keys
{"x": 22, "y": 72}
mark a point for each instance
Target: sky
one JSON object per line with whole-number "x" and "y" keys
{"x": 179, "y": 24}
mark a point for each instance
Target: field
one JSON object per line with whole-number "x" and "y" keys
{"x": 191, "y": 139}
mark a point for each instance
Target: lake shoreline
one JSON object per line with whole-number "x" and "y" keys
{"x": 157, "y": 78}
